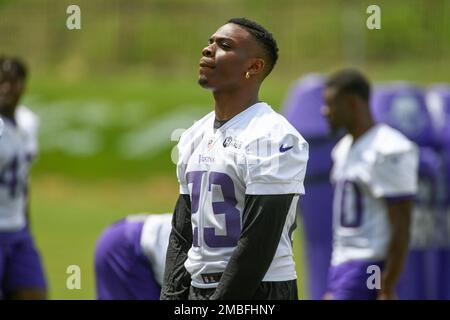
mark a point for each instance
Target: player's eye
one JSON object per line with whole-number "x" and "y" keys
{"x": 225, "y": 45}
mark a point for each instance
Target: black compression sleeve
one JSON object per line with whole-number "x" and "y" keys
{"x": 176, "y": 278}
{"x": 263, "y": 221}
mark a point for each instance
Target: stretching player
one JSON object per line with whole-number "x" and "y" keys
{"x": 375, "y": 179}
{"x": 130, "y": 256}
{"x": 241, "y": 170}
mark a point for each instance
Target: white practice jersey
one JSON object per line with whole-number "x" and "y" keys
{"x": 381, "y": 165}
{"x": 257, "y": 152}
{"x": 18, "y": 146}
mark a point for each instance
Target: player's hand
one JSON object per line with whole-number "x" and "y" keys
{"x": 387, "y": 295}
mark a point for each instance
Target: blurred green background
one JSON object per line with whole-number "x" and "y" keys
{"x": 110, "y": 95}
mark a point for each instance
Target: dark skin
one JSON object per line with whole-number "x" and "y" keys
{"x": 230, "y": 54}
{"x": 400, "y": 218}
{"x": 347, "y": 111}
{"x": 11, "y": 90}
{"x": 351, "y": 112}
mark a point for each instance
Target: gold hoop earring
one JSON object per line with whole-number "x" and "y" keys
{"x": 247, "y": 75}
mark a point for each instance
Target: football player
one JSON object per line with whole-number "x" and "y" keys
{"x": 21, "y": 271}
{"x": 375, "y": 173}
{"x": 241, "y": 170}
{"x": 130, "y": 256}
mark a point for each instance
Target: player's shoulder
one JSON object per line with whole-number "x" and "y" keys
{"x": 266, "y": 124}
{"x": 27, "y": 120}
{"x": 196, "y": 129}
{"x": 342, "y": 146}
{"x": 389, "y": 141}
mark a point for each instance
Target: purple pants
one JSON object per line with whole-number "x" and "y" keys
{"x": 348, "y": 281}
{"x": 122, "y": 272}
{"x": 20, "y": 263}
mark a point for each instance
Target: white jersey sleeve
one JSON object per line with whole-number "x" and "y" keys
{"x": 392, "y": 174}
{"x": 181, "y": 170}
{"x": 28, "y": 123}
{"x": 276, "y": 164}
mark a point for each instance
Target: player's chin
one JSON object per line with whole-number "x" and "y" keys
{"x": 203, "y": 82}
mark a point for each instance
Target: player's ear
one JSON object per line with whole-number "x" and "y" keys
{"x": 257, "y": 66}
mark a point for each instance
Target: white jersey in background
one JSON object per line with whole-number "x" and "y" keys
{"x": 18, "y": 146}
{"x": 257, "y": 152}
{"x": 381, "y": 165}
{"x": 154, "y": 239}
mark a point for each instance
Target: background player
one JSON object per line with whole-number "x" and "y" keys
{"x": 21, "y": 272}
{"x": 130, "y": 256}
{"x": 375, "y": 178}
{"x": 241, "y": 169}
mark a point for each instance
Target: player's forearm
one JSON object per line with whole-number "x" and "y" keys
{"x": 176, "y": 278}
{"x": 263, "y": 222}
{"x": 396, "y": 256}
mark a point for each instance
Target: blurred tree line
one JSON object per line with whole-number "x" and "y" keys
{"x": 163, "y": 38}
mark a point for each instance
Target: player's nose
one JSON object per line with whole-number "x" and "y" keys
{"x": 208, "y": 51}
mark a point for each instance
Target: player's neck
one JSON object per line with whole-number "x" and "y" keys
{"x": 7, "y": 113}
{"x": 360, "y": 128}
{"x": 229, "y": 104}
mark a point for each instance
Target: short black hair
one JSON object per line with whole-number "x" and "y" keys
{"x": 13, "y": 66}
{"x": 263, "y": 36}
{"x": 350, "y": 81}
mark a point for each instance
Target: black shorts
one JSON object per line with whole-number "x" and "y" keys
{"x": 280, "y": 290}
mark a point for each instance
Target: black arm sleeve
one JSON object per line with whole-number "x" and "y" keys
{"x": 263, "y": 221}
{"x": 177, "y": 280}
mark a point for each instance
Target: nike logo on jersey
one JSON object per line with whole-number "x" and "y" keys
{"x": 284, "y": 149}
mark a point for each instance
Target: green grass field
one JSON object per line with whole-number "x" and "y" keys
{"x": 69, "y": 215}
